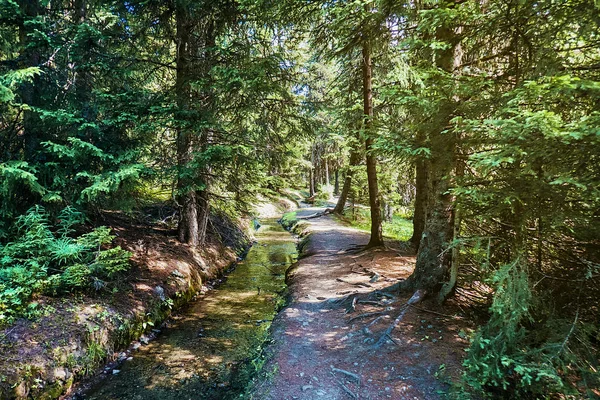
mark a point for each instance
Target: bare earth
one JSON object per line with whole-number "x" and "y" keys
{"x": 322, "y": 349}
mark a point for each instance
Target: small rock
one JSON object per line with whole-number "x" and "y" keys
{"x": 307, "y": 387}
{"x": 160, "y": 292}
{"x": 301, "y": 374}
{"x": 144, "y": 339}
{"x": 129, "y": 359}
{"x": 321, "y": 393}
{"x": 387, "y": 389}
{"x": 177, "y": 274}
{"x": 116, "y": 371}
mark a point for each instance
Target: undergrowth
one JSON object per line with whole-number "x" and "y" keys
{"x": 399, "y": 228}
{"x": 46, "y": 256}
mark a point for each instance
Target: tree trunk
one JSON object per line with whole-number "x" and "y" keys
{"x": 83, "y": 76}
{"x": 420, "y": 214}
{"x": 186, "y": 194}
{"x": 336, "y": 186}
{"x": 207, "y": 137}
{"x": 311, "y": 191}
{"x": 29, "y": 91}
{"x": 376, "y": 227}
{"x": 434, "y": 256}
{"x": 326, "y": 173}
{"x": 354, "y": 161}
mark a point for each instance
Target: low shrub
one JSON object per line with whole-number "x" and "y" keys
{"x": 49, "y": 259}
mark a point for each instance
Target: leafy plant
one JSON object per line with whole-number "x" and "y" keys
{"x": 46, "y": 258}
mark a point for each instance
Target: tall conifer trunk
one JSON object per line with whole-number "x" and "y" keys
{"x": 29, "y": 91}
{"x": 354, "y": 161}
{"x": 83, "y": 76}
{"x": 374, "y": 201}
{"x": 186, "y": 195}
{"x": 420, "y": 213}
{"x": 434, "y": 257}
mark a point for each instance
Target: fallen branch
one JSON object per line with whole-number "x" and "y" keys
{"x": 436, "y": 313}
{"x": 346, "y": 389}
{"x": 372, "y": 302}
{"x": 365, "y": 315}
{"x": 366, "y": 329}
{"x": 347, "y": 373}
{"x": 355, "y": 284}
{"x": 317, "y": 215}
{"x": 416, "y": 298}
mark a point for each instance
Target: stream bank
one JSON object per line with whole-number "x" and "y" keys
{"x": 75, "y": 335}
{"x": 211, "y": 349}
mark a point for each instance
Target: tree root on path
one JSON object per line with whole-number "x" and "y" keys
{"x": 365, "y": 315}
{"x": 353, "y": 283}
{"x": 416, "y": 298}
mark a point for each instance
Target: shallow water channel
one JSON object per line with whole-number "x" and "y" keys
{"x": 208, "y": 351}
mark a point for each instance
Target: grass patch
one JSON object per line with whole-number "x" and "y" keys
{"x": 399, "y": 228}
{"x": 289, "y": 219}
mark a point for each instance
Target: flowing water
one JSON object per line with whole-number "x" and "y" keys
{"x": 209, "y": 351}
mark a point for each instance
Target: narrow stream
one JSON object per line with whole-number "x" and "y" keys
{"x": 207, "y": 351}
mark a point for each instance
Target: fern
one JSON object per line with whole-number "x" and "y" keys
{"x": 46, "y": 258}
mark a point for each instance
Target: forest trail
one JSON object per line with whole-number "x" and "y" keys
{"x": 320, "y": 350}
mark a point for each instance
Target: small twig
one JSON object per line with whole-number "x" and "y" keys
{"x": 365, "y": 315}
{"x": 352, "y": 306}
{"x": 348, "y": 391}
{"x": 348, "y": 373}
{"x": 366, "y": 329}
{"x": 564, "y": 343}
{"x": 375, "y": 303}
{"x": 352, "y": 283}
{"x": 416, "y": 297}
{"x": 436, "y": 313}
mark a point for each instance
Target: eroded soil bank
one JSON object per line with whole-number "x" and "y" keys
{"x": 322, "y": 349}
{"x": 75, "y": 335}
{"x": 209, "y": 350}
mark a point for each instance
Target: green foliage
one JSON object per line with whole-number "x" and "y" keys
{"x": 399, "y": 228}
{"x": 47, "y": 258}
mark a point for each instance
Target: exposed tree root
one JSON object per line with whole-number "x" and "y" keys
{"x": 355, "y": 284}
{"x": 365, "y": 315}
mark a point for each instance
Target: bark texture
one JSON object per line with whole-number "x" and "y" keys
{"x": 354, "y": 161}
{"x": 374, "y": 201}
{"x": 420, "y": 214}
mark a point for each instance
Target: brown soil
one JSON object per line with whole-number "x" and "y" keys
{"x": 75, "y": 335}
{"x": 316, "y": 338}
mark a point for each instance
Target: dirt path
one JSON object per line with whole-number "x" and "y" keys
{"x": 315, "y": 340}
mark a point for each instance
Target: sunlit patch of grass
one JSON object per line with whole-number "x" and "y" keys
{"x": 399, "y": 228}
